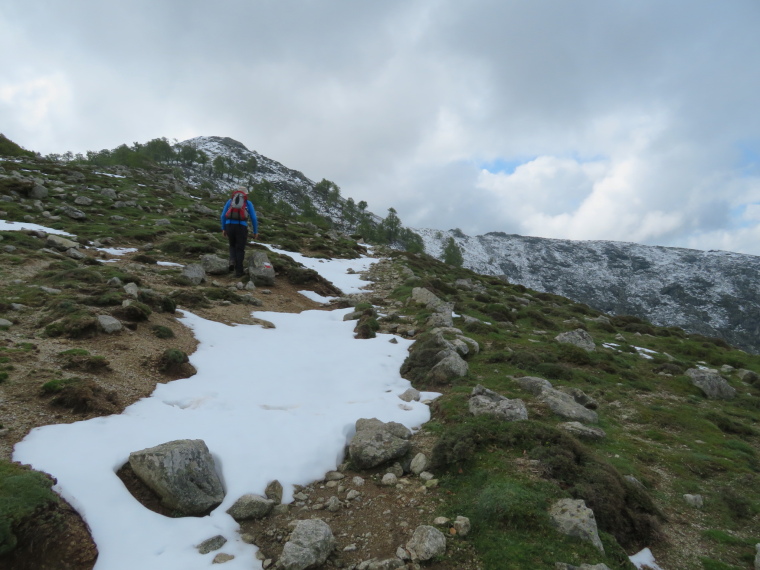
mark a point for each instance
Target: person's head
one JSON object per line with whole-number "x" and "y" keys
{"x": 242, "y": 189}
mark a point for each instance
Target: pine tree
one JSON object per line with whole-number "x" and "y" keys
{"x": 452, "y": 254}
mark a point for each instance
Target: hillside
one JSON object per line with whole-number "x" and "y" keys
{"x": 657, "y": 441}
{"x": 712, "y": 293}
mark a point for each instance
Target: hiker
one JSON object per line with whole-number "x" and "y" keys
{"x": 235, "y": 215}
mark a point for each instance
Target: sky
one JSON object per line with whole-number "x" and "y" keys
{"x": 630, "y": 120}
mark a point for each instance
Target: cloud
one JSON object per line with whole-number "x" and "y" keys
{"x": 632, "y": 121}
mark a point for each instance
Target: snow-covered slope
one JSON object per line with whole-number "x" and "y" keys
{"x": 714, "y": 293}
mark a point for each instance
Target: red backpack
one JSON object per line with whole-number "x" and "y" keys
{"x": 238, "y": 209}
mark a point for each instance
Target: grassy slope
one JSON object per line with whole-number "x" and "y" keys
{"x": 660, "y": 428}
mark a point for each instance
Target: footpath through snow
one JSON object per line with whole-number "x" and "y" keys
{"x": 270, "y": 404}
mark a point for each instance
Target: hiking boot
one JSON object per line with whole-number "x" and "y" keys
{"x": 230, "y": 266}
{"x": 239, "y": 274}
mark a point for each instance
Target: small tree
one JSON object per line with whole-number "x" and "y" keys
{"x": 452, "y": 254}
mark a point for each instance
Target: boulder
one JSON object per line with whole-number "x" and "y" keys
{"x": 747, "y": 376}
{"x": 376, "y": 443}
{"x": 533, "y": 384}
{"x": 211, "y": 544}
{"x": 109, "y": 324}
{"x": 108, "y": 193}
{"x": 182, "y": 473}
{"x": 38, "y": 192}
{"x": 579, "y": 396}
{"x": 419, "y": 463}
{"x": 429, "y": 299}
{"x": 194, "y": 273}
{"x": 83, "y": 201}
{"x": 427, "y": 542}
{"x": 573, "y": 518}
{"x": 73, "y": 213}
{"x": 214, "y": 265}
{"x": 274, "y": 491}
{"x": 60, "y": 243}
{"x": 711, "y": 383}
{"x": 487, "y": 402}
{"x": 74, "y": 253}
{"x": 695, "y": 501}
{"x": 250, "y": 507}
{"x": 410, "y": 395}
{"x": 566, "y": 407}
{"x": 260, "y": 269}
{"x": 310, "y": 544}
{"x": 579, "y": 338}
{"x": 449, "y": 367}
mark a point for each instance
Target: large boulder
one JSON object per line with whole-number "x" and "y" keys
{"x": 487, "y": 402}
{"x": 566, "y": 407}
{"x": 449, "y": 367}
{"x": 260, "y": 269}
{"x": 711, "y": 383}
{"x": 214, "y": 265}
{"x": 310, "y": 544}
{"x": 38, "y": 192}
{"x": 377, "y": 442}
{"x": 533, "y": 384}
{"x": 60, "y": 243}
{"x": 182, "y": 473}
{"x": 573, "y": 518}
{"x": 581, "y": 431}
{"x": 579, "y": 338}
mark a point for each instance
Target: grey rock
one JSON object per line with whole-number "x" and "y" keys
{"x": 114, "y": 282}
{"x": 194, "y": 273}
{"x": 410, "y": 395}
{"x": 487, "y": 402}
{"x": 376, "y": 443}
{"x": 429, "y": 299}
{"x": 9, "y": 248}
{"x": 333, "y": 504}
{"x": 73, "y": 213}
{"x": 163, "y": 222}
{"x": 427, "y": 542}
{"x": 419, "y": 463}
{"x": 260, "y": 269}
{"x": 250, "y": 507}
{"x": 201, "y": 209}
{"x": 566, "y": 407}
{"x": 274, "y": 491}
{"x": 533, "y": 384}
{"x": 462, "y": 525}
{"x": 389, "y": 480}
{"x": 450, "y": 366}
{"x": 211, "y": 544}
{"x": 579, "y": 338}
{"x": 132, "y": 290}
{"x": 50, "y": 290}
{"x": 60, "y": 243}
{"x": 109, "y": 324}
{"x": 108, "y": 193}
{"x": 182, "y": 473}
{"x": 38, "y": 192}
{"x": 581, "y": 431}
{"x": 222, "y": 557}
{"x": 757, "y": 556}
{"x": 747, "y": 376}
{"x": 573, "y": 518}
{"x": 83, "y": 201}
{"x": 711, "y": 383}
{"x": 214, "y": 265}
{"x": 696, "y": 501}
{"x": 75, "y": 254}
{"x": 310, "y": 544}
{"x": 579, "y": 396}
{"x": 5, "y": 323}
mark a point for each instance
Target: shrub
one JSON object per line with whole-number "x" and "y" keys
{"x": 512, "y": 505}
{"x": 172, "y": 360}
{"x": 163, "y": 332}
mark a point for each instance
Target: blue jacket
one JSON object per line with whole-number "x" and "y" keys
{"x": 251, "y": 216}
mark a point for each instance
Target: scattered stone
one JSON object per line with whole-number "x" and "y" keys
{"x": 748, "y": 376}
{"x": 60, "y": 243}
{"x": 389, "y": 480}
{"x": 274, "y": 491}
{"x": 580, "y": 397}
{"x": 426, "y": 476}
{"x": 163, "y": 222}
{"x": 132, "y": 290}
{"x": 5, "y": 323}
{"x": 711, "y": 383}
{"x": 565, "y": 406}
{"x": 194, "y": 273}
{"x": 109, "y": 324}
{"x": 410, "y": 395}
{"x": 449, "y": 367}
{"x": 334, "y": 476}
{"x": 487, "y": 402}
{"x": 250, "y": 507}
{"x": 50, "y": 290}
{"x": 221, "y": 558}
{"x": 579, "y": 338}
{"x": 573, "y": 518}
{"x": 83, "y": 201}
{"x": 695, "y": 501}
{"x": 182, "y": 473}
{"x": 333, "y": 504}
{"x": 376, "y": 442}
{"x": 581, "y": 431}
{"x": 462, "y": 526}
{"x": 441, "y": 521}
{"x": 427, "y": 542}
{"x": 73, "y": 213}
{"x": 213, "y": 543}
{"x": 310, "y": 544}
{"x": 38, "y": 192}
{"x": 75, "y": 254}
{"x": 419, "y": 463}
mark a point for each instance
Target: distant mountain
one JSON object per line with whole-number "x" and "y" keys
{"x": 714, "y": 293}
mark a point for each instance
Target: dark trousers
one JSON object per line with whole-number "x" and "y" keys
{"x": 237, "y": 234}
